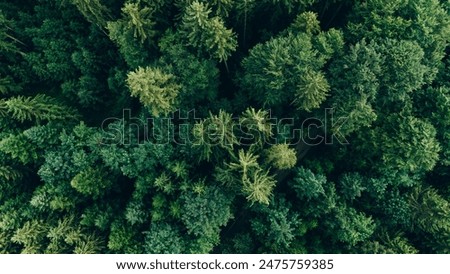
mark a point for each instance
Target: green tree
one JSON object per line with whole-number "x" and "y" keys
{"x": 40, "y": 107}
{"x": 431, "y": 215}
{"x": 408, "y": 143}
{"x": 93, "y": 10}
{"x": 133, "y": 33}
{"x": 155, "y": 89}
{"x": 91, "y": 182}
{"x": 287, "y": 69}
{"x": 425, "y": 22}
{"x": 355, "y": 85}
{"x": 350, "y": 226}
{"x": 213, "y": 135}
{"x": 7, "y": 41}
{"x": 197, "y": 76}
{"x": 281, "y": 156}
{"x": 163, "y": 239}
{"x": 203, "y": 215}
{"x": 139, "y": 20}
{"x": 276, "y": 226}
{"x": 207, "y": 34}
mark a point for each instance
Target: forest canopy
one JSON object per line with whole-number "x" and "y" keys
{"x": 224, "y": 126}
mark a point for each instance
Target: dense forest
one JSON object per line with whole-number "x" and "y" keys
{"x": 224, "y": 126}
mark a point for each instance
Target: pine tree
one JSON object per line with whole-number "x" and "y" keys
{"x": 155, "y": 89}
{"x": 92, "y": 182}
{"x": 258, "y": 186}
{"x": 276, "y": 226}
{"x": 7, "y": 41}
{"x": 31, "y": 236}
{"x": 208, "y": 34}
{"x": 425, "y": 22}
{"x": 286, "y": 69}
{"x": 281, "y": 156}
{"x": 197, "y": 76}
{"x": 94, "y": 11}
{"x": 256, "y": 126}
{"x": 8, "y": 173}
{"x": 19, "y": 147}
{"x": 408, "y": 143}
{"x": 316, "y": 195}
{"x": 203, "y": 215}
{"x": 361, "y": 67}
{"x": 163, "y": 238}
{"x": 133, "y": 33}
{"x": 139, "y": 20}
{"x": 214, "y": 135}
{"x": 38, "y": 108}
{"x": 350, "y": 226}
{"x": 312, "y": 90}
{"x": 431, "y": 212}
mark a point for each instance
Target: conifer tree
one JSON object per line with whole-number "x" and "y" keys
{"x": 155, "y": 89}
{"x": 208, "y": 34}
{"x": 281, "y": 156}
{"x": 133, "y": 33}
{"x": 93, "y": 10}
{"x": 38, "y": 108}
{"x": 286, "y": 69}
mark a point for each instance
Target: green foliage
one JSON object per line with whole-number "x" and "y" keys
{"x": 133, "y": 32}
{"x": 31, "y": 236}
{"x": 386, "y": 244}
{"x": 306, "y": 22}
{"x": 8, "y": 86}
{"x": 281, "y": 156}
{"x": 287, "y": 69}
{"x": 351, "y": 186}
{"x": 434, "y": 104}
{"x": 7, "y": 42}
{"x": 431, "y": 215}
{"x": 19, "y": 147}
{"x": 312, "y": 90}
{"x": 425, "y": 22}
{"x": 276, "y": 226}
{"x": 8, "y": 173}
{"x": 350, "y": 226}
{"x": 307, "y": 185}
{"x": 207, "y": 34}
{"x": 212, "y": 133}
{"x": 155, "y": 89}
{"x": 428, "y": 206}
{"x": 316, "y": 196}
{"x": 355, "y": 85}
{"x": 187, "y": 126}
{"x": 258, "y": 186}
{"x": 67, "y": 237}
{"x": 163, "y": 239}
{"x": 38, "y": 108}
{"x": 139, "y": 21}
{"x": 123, "y": 239}
{"x": 256, "y": 123}
{"x": 198, "y": 77}
{"x": 204, "y": 214}
{"x": 93, "y": 11}
{"x": 404, "y": 69}
{"x": 408, "y": 143}
{"x": 91, "y": 182}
